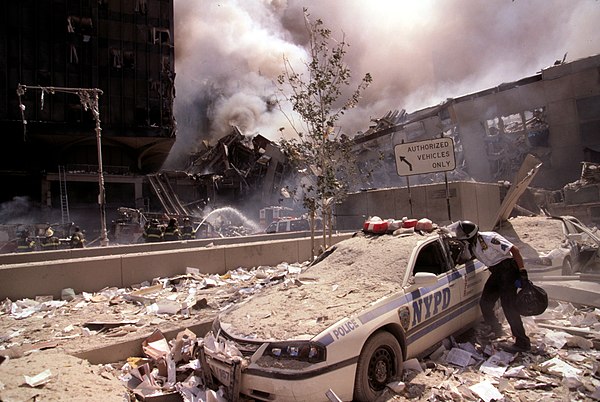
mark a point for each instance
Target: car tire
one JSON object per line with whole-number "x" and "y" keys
{"x": 379, "y": 363}
{"x": 567, "y": 267}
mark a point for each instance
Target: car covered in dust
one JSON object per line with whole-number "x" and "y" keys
{"x": 551, "y": 245}
{"x": 345, "y": 324}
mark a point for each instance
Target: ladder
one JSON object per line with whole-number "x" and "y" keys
{"x": 64, "y": 199}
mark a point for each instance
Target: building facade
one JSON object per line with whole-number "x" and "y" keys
{"x": 124, "y": 48}
{"x": 553, "y": 115}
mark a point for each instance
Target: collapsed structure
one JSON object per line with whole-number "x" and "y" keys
{"x": 128, "y": 53}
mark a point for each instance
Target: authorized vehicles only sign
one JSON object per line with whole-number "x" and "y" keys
{"x": 428, "y": 156}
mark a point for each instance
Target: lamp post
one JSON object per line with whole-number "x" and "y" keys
{"x": 89, "y": 98}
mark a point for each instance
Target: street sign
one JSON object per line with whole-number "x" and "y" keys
{"x": 428, "y": 156}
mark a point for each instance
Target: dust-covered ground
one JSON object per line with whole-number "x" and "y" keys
{"x": 63, "y": 330}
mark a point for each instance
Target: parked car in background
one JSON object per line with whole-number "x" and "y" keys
{"x": 293, "y": 225}
{"x": 551, "y": 245}
{"x": 349, "y": 321}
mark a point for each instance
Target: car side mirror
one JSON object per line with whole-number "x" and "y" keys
{"x": 425, "y": 279}
{"x": 577, "y": 237}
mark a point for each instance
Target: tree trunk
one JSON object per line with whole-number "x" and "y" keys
{"x": 312, "y": 235}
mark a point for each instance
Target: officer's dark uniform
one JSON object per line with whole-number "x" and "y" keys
{"x": 502, "y": 259}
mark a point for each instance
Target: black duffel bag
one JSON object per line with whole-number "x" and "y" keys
{"x": 531, "y": 300}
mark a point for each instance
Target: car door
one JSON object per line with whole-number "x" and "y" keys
{"x": 474, "y": 275}
{"x": 436, "y": 303}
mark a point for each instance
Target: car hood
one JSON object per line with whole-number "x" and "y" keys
{"x": 360, "y": 271}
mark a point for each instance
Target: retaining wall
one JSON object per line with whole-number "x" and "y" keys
{"x": 89, "y": 272}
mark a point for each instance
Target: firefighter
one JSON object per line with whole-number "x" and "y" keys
{"x": 187, "y": 231}
{"x": 50, "y": 242}
{"x": 153, "y": 233}
{"x": 172, "y": 232}
{"x": 25, "y": 243}
{"x": 77, "y": 238}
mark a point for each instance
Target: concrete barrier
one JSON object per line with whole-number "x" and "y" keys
{"x": 92, "y": 273}
{"x": 44, "y": 256}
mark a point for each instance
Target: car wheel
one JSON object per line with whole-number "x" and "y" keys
{"x": 379, "y": 363}
{"x": 567, "y": 267}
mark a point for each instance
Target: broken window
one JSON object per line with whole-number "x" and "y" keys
{"x": 141, "y": 6}
{"x": 73, "y": 58}
{"x": 80, "y": 25}
{"x": 117, "y": 59}
{"x": 161, "y": 36}
{"x": 129, "y": 60}
{"x": 509, "y": 138}
{"x": 538, "y": 134}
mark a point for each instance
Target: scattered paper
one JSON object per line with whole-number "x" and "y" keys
{"x": 459, "y": 357}
{"x": 39, "y": 379}
{"x": 561, "y": 368}
{"x": 486, "y": 391}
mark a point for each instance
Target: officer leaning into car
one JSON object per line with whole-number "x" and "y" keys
{"x": 505, "y": 263}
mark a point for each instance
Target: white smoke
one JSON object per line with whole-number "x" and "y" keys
{"x": 229, "y": 53}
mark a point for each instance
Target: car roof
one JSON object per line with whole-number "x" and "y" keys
{"x": 360, "y": 271}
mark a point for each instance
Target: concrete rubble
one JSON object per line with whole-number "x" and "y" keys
{"x": 562, "y": 365}
{"x": 563, "y": 362}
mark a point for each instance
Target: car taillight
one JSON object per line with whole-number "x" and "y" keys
{"x": 305, "y": 351}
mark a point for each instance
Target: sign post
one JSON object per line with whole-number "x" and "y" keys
{"x": 429, "y": 156}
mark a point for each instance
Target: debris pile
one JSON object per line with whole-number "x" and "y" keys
{"x": 84, "y": 320}
{"x": 562, "y": 365}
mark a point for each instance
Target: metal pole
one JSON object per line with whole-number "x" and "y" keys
{"x": 447, "y": 196}
{"x": 409, "y": 196}
{"x": 101, "y": 196}
{"x": 89, "y": 98}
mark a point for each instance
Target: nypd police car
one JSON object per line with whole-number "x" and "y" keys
{"x": 346, "y": 323}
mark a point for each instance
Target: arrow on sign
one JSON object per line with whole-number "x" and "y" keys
{"x": 403, "y": 159}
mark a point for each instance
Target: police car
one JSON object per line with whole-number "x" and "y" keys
{"x": 343, "y": 327}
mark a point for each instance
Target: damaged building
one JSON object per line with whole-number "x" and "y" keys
{"x": 553, "y": 115}
{"x": 123, "y": 49}
{"x": 246, "y": 172}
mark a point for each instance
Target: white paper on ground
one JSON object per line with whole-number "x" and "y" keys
{"x": 459, "y": 357}
{"x": 39, "y": 379}
{"x": 486, "y": 391}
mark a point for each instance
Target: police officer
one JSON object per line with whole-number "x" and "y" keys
{"x": 153, "y": 233}
{"x": 172, "y": 232}
{"x": 187, "y": 231}
{"x": 506, "y": 267}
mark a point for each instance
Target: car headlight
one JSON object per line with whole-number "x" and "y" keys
{"x": 312, "y": 352}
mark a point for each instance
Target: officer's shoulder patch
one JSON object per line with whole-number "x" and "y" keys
{"x": 495, "y": 241}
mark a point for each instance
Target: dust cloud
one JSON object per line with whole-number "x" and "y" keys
{"x": 229, "y": 53}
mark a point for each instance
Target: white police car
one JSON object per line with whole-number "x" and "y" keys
{"x": 346, "y": 323}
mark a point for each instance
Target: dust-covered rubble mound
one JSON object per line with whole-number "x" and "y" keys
{"x": 534, "y": 235}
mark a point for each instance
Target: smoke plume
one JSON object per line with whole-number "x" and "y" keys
{"x": 229, "y": 53}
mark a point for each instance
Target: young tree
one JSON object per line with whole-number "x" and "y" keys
{"x": 319, "y": 95}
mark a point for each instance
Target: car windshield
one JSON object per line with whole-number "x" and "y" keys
{"x": 272, "y": 228}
